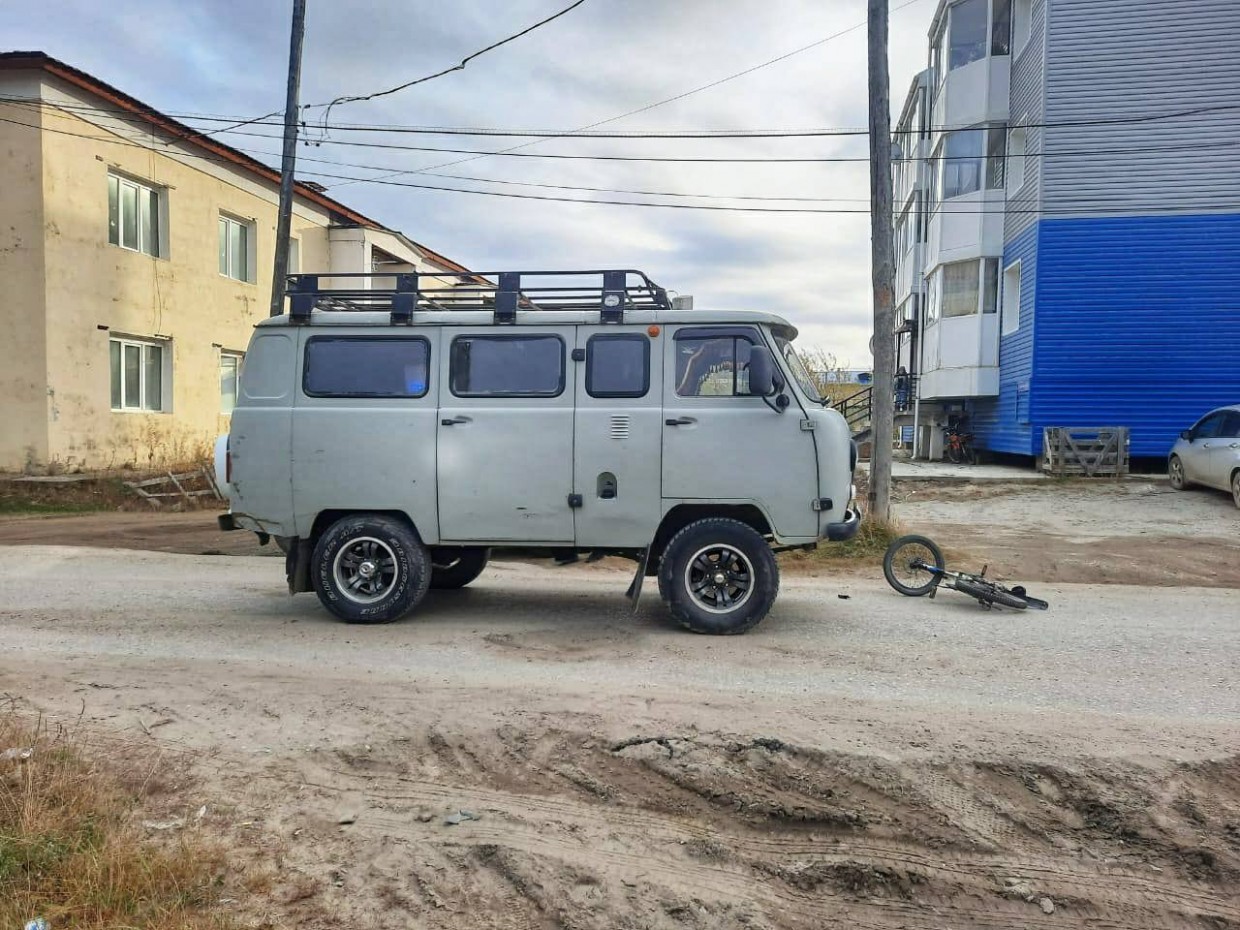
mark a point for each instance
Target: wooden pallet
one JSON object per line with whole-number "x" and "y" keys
{"x": 1094, "y": 452}
{"x": 180, "y": 482}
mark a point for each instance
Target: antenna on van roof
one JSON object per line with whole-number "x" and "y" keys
{"x": 612, "y": 292}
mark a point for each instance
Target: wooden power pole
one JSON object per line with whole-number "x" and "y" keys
{"x": 288, "y": 162}
{"x": 882, "y": 248}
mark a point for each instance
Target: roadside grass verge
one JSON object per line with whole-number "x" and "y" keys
{"x": 866, "y": 548}
{"x": 73, "y": 849}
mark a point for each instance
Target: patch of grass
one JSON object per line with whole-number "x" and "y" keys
{"x": 16, "y": 506}
{"x": 868, "y": 546}
{"x": 72, "y": 847}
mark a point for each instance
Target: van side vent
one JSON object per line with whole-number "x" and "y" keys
{"x": 620, "y": 426}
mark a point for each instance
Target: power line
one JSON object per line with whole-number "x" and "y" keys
{"x": 704, "y": 134}
{"x": 1127, "y": 209}
{"x": 1002, "y": 209}
{"x": 657, "y": 103}
{"x": 460, "y": 66}
{"x": 712, "y": 196}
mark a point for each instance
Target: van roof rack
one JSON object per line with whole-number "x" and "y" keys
{"x": 610, "y": 291}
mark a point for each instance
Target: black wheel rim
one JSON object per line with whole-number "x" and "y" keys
{"x": 719, "y": 578}
{"x": 908, "y": 565}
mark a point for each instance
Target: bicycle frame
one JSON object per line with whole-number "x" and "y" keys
{"x": 953, "y": 577}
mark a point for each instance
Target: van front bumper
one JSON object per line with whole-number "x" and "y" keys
{"x": 846, "y": 529}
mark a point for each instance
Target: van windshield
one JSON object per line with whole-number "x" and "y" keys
{"x": 803, "y": 378}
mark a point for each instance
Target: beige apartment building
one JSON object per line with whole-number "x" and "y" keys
{"x": 136, "y": 256}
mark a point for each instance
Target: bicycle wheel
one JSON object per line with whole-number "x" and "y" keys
{"x": 900, "y": 565}
{"x": 990, "y": 593}
{"x": 955, "y": 454}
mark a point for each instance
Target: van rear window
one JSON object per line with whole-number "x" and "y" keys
{"x": 507, "y": 366}
{"x": 363, "y": 366}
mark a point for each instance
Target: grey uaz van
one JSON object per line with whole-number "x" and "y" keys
{"x": 391, "y": 439}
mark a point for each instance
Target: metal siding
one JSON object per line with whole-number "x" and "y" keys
{"x": 1138, "y": 324}
{"x": 1027, "y": 106}
{"x": 997, "y": 422}
{"x": 1111, "y": 59}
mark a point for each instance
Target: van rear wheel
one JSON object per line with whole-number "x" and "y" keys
{"x": 718, "y": 576}
{"x": 454, "y": 567}
{"x": 369, "y": 568}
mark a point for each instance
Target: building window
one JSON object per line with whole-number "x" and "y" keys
{"x": 996, "y": 167}
{"x": 507, "y": 366}
{"x": 938, "y": 73}
{"x": 1017, "y": 140}
{"x": 139, "y": 370}
{"x": 968, "y": 33}
{"x": 365, "y": 366}
{"x": 1011, "y": 299}
{"x": 960, "y": 288}
{"x": 236, "y": 248}
{"x": 1022, "y": 24}
{"x": 230, "y": 372}
{"x": 990, "y": 285}
{"x": 932, "y": 298}
{"x": 1001, "y": 28}
{"x": 134, "y": 215}
{"x": 962, "y": 162}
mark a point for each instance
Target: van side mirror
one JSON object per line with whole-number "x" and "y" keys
{"x": 764, "y": 378}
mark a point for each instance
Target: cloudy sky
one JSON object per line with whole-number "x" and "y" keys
{"x": 605, "y": 58}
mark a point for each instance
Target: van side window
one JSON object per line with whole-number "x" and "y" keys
{"x": 713, "y": 366}
{"x": 362, "y": 366}
{"x": 507, "y": 366}
{"x": 618, "y": 365}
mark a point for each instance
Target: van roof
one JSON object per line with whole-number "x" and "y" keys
{"x": 383, "y": 319}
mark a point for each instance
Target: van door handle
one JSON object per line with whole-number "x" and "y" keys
{"x": 453, "y": 421}
{"x": 680, "y": 421}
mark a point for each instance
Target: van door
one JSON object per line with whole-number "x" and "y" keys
{"x": 721, "y": 444}
{"x": 619, "y": 431}
{"x": 505, "y": 437}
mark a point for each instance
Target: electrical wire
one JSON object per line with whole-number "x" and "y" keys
{"x": 460, "y": 66}
{"x": 1001, "y": 209}
{"x": 706, "y": 134}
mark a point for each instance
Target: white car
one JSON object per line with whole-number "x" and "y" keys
{"x": 1209, "y": 453}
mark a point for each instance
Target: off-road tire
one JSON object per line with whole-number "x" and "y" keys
{"x": 747, "y": 552}
{"x": 453, "y": 567}
{"x": 890, "y": 561}
{"x": 989, "y": 595}
{"x": 1175, "y": 473}
{"x": 396, "y": 543}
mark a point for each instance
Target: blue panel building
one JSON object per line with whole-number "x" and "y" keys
{"x": 1077, "y": 186}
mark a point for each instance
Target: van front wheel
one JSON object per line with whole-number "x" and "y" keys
{"x": 369, "y": 568}
{"x": 718, "y": 576}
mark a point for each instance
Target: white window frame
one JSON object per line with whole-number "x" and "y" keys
{"x": 226, "y": 221}
{"x": 1010, "y": 310}
{"x": 1017, "y": 153}
{"x": 150, "y": 235}
{"x": 165, "y": 374}
{"x": 1022, "y": 25}
{"x": 237, "y": 359}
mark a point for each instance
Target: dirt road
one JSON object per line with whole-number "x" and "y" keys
{"x": 864, "y": 760}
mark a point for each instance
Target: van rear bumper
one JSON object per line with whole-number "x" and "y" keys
{"x": 844, "y": 530}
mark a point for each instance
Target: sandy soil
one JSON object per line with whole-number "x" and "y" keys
{"x": 860, "y": 759}
{"x": 1130, "y": 532}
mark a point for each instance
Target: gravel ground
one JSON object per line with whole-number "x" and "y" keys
{"x": 859, "y": 758}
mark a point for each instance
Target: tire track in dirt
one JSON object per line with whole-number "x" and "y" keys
{"x": 710, "y": 831}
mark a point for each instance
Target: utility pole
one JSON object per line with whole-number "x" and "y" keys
{"x": 882, "y": 247}
{"x": 288, "y": 162}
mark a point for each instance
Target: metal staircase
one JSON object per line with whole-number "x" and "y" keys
{"x": 857, "y": 408}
